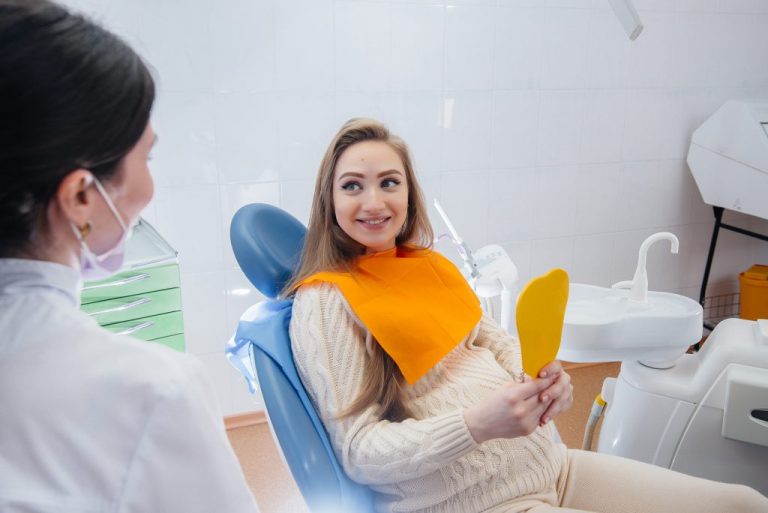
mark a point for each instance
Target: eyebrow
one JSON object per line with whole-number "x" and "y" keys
{"x": 360, "y": 175}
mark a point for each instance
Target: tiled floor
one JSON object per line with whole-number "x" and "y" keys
{"x": 276, "y": 492}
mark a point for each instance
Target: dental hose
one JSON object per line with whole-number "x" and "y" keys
{"x": 597, "y": 411}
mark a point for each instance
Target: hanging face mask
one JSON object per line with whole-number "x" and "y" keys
{"x": 97, "y": 267}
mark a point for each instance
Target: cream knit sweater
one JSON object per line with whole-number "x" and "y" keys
{"x": 428, "y": 463}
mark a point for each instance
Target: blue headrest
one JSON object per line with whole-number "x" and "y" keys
{"x": 267, "y": 242}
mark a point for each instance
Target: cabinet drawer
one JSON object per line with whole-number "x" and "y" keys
{"x": 174, "y": 342}
{"x": 150, "y": 328}
{"x": 134, "y": 307}
{"x": 129, "y": 283}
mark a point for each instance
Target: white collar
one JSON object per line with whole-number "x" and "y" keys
{"x": 20, "y": 276}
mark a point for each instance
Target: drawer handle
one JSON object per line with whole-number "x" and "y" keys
{"x": 118, "y": 283}
{"x": 135, "y": 328}
{"x": 124, "y": 306}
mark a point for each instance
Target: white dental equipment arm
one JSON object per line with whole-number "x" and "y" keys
{"x": 466, "y": 254}
{"x": 489, "y": 271}
{"x": 639, "y": 283}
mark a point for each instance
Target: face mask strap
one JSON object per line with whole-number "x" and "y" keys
{"x": 109, "y": 203}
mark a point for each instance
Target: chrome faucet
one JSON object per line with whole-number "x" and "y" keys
{"x": 639, "y": 284}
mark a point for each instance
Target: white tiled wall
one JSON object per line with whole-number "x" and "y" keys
{"x": 537, "y": 123}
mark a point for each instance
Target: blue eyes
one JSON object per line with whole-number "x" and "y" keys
{"x": 354, "y": 186}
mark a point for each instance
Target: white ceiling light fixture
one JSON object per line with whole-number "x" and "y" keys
{"x": 627, "y": 14}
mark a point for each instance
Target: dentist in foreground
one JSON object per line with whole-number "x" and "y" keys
{"x": 89, "y": 421}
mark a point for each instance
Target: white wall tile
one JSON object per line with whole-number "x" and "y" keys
{"x": 548, "y": 254}
{"x": 672, "y": 202}
{"x": 183, "y": 51}
{"x": 592, "y": 260}
{"x": 304, "y": 45}
{"x": 596, "y": 199}
{"x": 643, "y": 124}
{"x": 203, "y": 302}
{"x": 418, "y": 33}
{"x": 417, "y": 117}
{"x": 305, "y": 127}
{"x": 218, "y": 369}
{"x": 510, "y": 205}
{"x": 190, "y": 218}
{"x": 362, "y": 104}
{"x": 296, "y": 198}
{"x": 432, "y": 188}
{"x": 185, "y": 153}
{"x": 608, "y": 50}
{"x": 564, "y": 64}
{"x": 464, "y": 198}
{"x": 561, "y": 122}
{"x": 514, "y": 128}
{"x": 469, "y": 47}
{"x": 518, "y": 47}
{"x": 244, "y": 53}
{"x": 637, "y": 190}
{"x": 603, "y": 125}
{"x": 555, "y": 203}
{"x": 363, "y": 52}
{"x": 467, "y": 129}
{"x": 246, "y": 137}
{"x": 651, "y": 55}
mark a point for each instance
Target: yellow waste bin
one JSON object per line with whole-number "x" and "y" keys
{"x": 753, "y": 284}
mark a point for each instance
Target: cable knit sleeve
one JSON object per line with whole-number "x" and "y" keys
{"x": 329, "y": 350}
{"x": 504, "y": 346}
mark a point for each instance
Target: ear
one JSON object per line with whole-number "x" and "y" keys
{"x": 74, "y": 197}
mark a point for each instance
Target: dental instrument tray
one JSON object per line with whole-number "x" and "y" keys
{"x": 728, "y": 157}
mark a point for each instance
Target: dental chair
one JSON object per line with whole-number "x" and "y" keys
{"x": 267, "y": 243}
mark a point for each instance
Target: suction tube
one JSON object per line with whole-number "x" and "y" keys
{"x": 598, "y": 407}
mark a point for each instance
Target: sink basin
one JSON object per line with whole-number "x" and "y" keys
{"x": 603, "y": 325}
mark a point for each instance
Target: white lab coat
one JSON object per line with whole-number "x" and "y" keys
{"x": 91, "y": 421}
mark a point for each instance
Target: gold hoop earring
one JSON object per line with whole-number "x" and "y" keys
{"x": 85, "y": 230}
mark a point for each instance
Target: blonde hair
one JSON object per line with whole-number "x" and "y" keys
{"x": 328, "y": 248}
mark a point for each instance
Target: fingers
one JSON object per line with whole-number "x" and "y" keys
{"x": 534, "y": 387}
{"x": 562, "y": 403}
{"x": 558, "y": 387}
{"x": 553, "y": 367}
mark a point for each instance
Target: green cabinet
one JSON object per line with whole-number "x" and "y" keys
{"x": 143, "y": 300}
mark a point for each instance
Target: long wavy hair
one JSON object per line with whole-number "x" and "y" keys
{"x": 328, "y": 248}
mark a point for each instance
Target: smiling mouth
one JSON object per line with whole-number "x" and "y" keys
{"x": 374, "y": 221}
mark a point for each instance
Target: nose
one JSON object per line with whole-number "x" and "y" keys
{"x": 373, "y": 200}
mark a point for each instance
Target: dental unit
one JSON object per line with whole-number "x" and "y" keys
{"x": 703, "y": 413}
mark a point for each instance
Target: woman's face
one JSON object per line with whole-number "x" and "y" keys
{"x": 130, "y": 189}
{"x": 370, "y": 194}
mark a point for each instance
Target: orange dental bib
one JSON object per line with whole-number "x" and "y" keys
{"x": 416, "y": 304}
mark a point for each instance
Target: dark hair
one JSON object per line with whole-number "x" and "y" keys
{"x": 72, "y": 95}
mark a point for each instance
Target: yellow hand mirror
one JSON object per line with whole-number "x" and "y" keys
{"x": 540, "y": 315}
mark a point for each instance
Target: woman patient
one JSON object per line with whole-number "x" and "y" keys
{"x": 416, "y": 386}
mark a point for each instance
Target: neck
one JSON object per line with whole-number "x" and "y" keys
{"x": 53, "y": 241}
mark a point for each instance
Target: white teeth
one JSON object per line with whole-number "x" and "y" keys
{"x": 374, "y": 221}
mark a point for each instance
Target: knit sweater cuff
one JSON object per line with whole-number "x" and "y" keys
{"x": 452, "y": 437}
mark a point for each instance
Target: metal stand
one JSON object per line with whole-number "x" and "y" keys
{"x": 720, "y": 224}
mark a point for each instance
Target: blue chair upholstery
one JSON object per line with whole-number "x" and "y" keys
{"x": 267, "y": 243}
